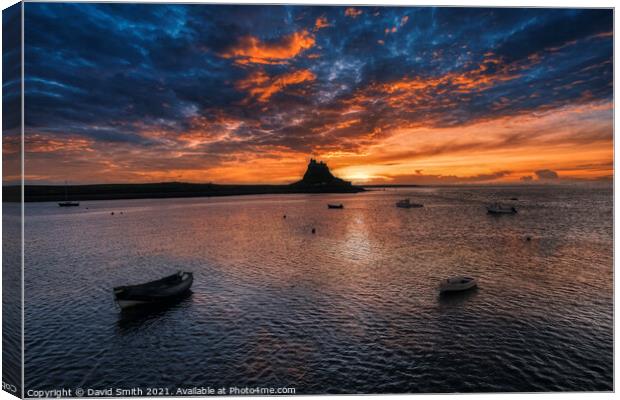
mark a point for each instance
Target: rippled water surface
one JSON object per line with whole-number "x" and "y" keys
{"x": 353, "y": 308}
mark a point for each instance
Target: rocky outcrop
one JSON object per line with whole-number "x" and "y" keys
{"x": 318, "y": 178}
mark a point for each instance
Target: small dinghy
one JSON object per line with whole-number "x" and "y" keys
{"x": 160, "y": 291}
{"x": 497, "y": 208}
{"x": 457, "y": 284}
{"x": 337, "y": 206}
{"x": 68, "y": 204}
{"x": 406, "y": 203}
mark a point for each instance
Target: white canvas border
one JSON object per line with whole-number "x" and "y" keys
{"x": 456, "y": 3}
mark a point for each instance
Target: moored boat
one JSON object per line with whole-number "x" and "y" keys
{"x": 338, "y": 206}
{"x": 155, "y": 292}
{"x": 498, "y": 208}
{"x": 457, "y": 284}
{"x": 406, "y": 203}
{"x": 68, "y": 204}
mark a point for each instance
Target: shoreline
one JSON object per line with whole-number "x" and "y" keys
{"x": 169, "y": 190}
{"x": 51, "y": 193}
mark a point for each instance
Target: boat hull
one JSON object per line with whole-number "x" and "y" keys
{"x": 68, "y": 204}
{"x": 156, "y": 292}
{"x": 132, "y": 303}
{"x": 498, "y": 208}
{"x": 459, "y": 284}
{"x": 409, "y": 205}
{"x": 511, "y": 211}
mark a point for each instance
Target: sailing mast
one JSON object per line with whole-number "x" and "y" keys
{"x": 68, "y": 203}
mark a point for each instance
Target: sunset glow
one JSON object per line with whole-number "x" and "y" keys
{"x": 246, "y": 94}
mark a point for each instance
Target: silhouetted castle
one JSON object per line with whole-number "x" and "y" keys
{"x": 318, "y": 178}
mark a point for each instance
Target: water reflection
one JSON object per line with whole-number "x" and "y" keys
{"x": 456, "y": 299}
{"x": 134, "y": 318}
{"x": 352, "y": 308}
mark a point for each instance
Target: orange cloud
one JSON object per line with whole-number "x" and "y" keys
{"x": 394, "y": 29}
{"x": 251, "y": 50}
{"x": 416, "y": 90}
{"x": 262, "y": 86}
{"x": 352, "y": 12}
{"x": 390, "y": 30}
{"x": 320, "y": 23}
{"x": 205, "y": 130}
{"x": 41, "y": 143}
{"x": 575, "y": 140}
{"x": 348, "y": 123}
{"x": 604, "y": 34}
{"x": 11, "y": 144}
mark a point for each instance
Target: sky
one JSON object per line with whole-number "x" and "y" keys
{"x": 247, "y": 94}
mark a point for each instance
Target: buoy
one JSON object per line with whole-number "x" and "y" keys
{"x": 528, "y": 238}
{"x": 112, "y": 213}
{"x": 284, "y": 216}
{"x": 313, "y": 230}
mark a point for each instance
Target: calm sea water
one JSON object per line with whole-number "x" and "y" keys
{"x": 353, "y": 308}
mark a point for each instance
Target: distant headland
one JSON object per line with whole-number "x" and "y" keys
{"x": 317, "y": 179}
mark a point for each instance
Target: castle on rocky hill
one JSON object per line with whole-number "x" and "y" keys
{"x": 318, "y": 178}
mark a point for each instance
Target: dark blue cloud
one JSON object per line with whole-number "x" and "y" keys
{"x": 110, "y": 72}
{"x": 11, "y": 68}
{"x": 556, "y": 30}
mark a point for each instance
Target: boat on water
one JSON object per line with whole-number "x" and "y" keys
{"x": 336, "y": 206}
{"x": 406, "y": 203}
{"x": 457, "y": 284}
{"x": 68, "y": 203}
{"x": 155, "y": 292}
{"x": 498, "y": 208}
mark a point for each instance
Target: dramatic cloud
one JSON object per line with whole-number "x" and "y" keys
{"x": 250, "y": 49}
{"x": 352, "y": 12}
{"x": 320, "y": 23}
{"x": 247, "y": 93}
{"x": 262, "y": 87}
